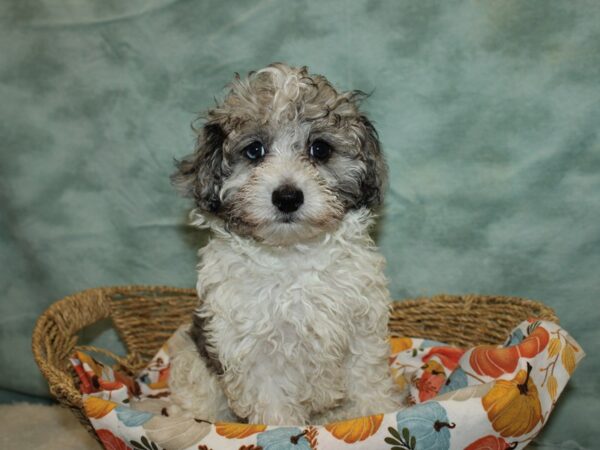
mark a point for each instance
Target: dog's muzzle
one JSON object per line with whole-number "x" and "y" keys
{"x": 287, "y": 198}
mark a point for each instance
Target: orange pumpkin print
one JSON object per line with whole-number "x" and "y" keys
{"x": 431, "y": 381}
{"x": 355, "y": 430}
{"x": 238, "y": 430}
{"x": 448, "y": 356}
{"x": 491, "y": 443}
{"x": 513, "y": 406}
{"x": 494, "y": 361}
{"x": 534, "y": 343}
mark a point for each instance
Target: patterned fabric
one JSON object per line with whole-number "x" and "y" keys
{"x": 486, "y": 397}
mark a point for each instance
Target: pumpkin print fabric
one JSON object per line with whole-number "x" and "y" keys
{"x": 486, "y": 397}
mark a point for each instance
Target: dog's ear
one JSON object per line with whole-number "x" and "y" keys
{"x": 374, "y": 182}
{"x": 200, "y": 175}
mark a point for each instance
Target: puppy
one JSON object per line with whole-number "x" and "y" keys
{"x": 291, "y": 326}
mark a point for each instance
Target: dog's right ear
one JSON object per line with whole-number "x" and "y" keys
{"x": 200, "y": 175}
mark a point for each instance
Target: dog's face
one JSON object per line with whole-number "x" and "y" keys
{"x": 284, "y": 157}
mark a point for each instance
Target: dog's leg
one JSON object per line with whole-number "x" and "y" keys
{"x": 194, "y": 388}
{"x": 277, "y": 409}
{"x": 370, "y": 388}
{"x": 269, "y": 393}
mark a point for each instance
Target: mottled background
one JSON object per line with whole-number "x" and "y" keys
{"x": 488, "y": 111}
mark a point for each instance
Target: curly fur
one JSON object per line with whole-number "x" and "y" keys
{"x": 293, "y": 319}
{"x": 286, "y": 109}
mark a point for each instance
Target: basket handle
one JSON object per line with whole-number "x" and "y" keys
{"x": 54, "y": 338}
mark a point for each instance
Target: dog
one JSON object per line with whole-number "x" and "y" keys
{"x": 291, "y": 327}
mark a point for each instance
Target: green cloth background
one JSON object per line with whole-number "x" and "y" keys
{"x": 489, "y": 113}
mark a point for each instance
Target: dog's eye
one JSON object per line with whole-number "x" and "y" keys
{"x": 254, "y": 151}
{"x": 320, "y": 150}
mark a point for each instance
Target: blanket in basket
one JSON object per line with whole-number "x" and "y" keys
{"x": 486, "y": 397}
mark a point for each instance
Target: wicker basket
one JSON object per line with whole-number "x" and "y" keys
{"x": 145, "y": 317}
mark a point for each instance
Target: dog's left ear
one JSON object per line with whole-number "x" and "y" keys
{"x": 200, "y": 175}
{"x": 374, "y": 182}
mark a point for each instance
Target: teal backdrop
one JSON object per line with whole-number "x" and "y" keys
{"x": 489, "y": 113}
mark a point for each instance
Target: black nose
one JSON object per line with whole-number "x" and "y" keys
{"x": 287, "y": 198}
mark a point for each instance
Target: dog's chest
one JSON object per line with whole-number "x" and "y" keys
{"x": 297, "y": 310}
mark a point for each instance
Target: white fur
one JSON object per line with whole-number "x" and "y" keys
{"x": 301, "y": 330}
{"x": 192, "y": 385}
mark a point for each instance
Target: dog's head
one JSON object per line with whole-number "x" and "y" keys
{"x": 284, "y": 157}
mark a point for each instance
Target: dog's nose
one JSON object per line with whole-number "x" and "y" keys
{"x": 287, "y": 198}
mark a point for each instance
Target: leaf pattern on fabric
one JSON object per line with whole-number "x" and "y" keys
{"x": 131, "y": 417}
{"x": 144, "y": 444}
{"x": 110, "y": 441}
{"x": 568, "y": 359}
{"x": 552, "y": 386}
{"x": 97, "y": 408}
{"x": 401, "y": 442}
{"x": 554, "y": 347}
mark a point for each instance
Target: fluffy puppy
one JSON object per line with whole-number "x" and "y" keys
{"x": 291, "y": 326}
